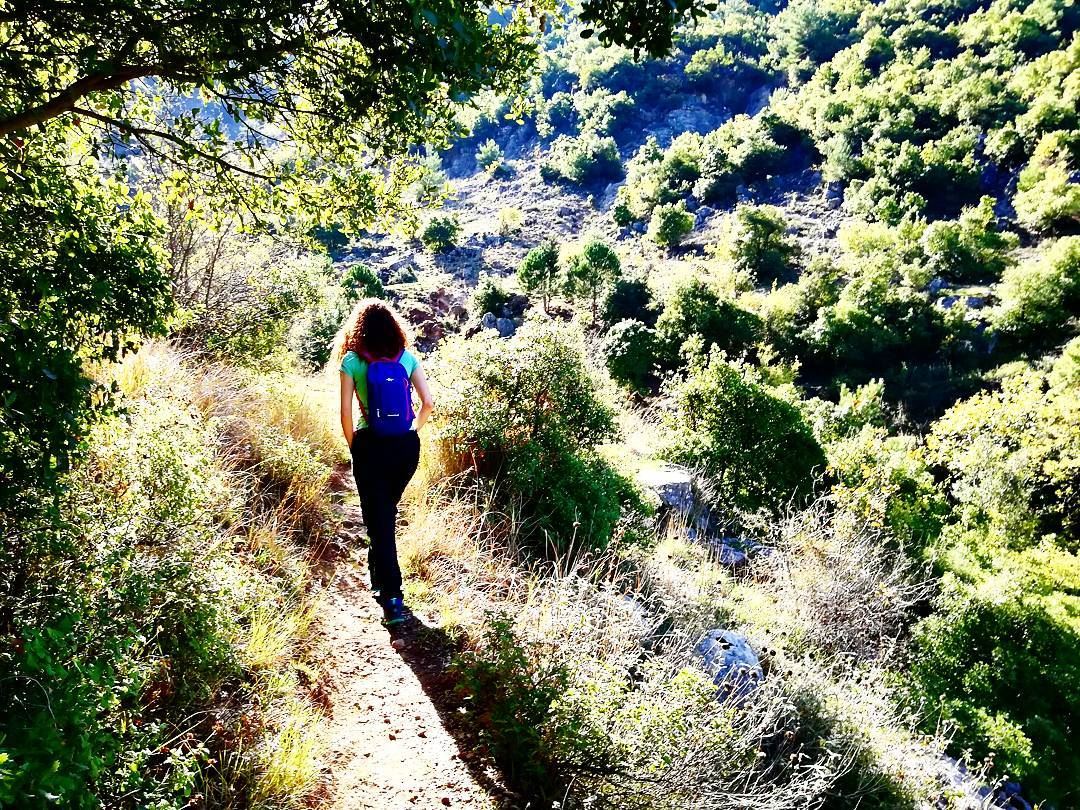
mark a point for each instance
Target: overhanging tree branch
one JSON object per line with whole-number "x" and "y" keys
{"x": 66, "y": 100}
{"x": 142, "y": 132}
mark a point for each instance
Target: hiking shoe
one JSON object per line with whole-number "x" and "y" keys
{"x": 394, "y": 611}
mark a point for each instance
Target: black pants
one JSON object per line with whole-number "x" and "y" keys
{"x": 382, "y": 467}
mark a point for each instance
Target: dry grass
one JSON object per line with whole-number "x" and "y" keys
{"x": 273, "y": 439}
{"x": 625, "y": 627}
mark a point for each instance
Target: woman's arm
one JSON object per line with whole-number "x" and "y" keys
{"x": 347, "y": 389}
{"x": 427, "y": 404}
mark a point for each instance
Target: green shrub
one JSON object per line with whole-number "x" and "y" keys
{"x": 880, "y": 479}
{"x": 556, "y": 115}
{"x": 510, "y": 221}
{"x": 77, "y": 291}
{"x": 489, "y": 296}
{"x": 789, "y": 312}
{"x": 360, "y": 281}
{"x": 630, "y": 354}
{"x": 999, "y": 658}
{"x": 743, "y": 150}
{"x": 1000, "y": 669}
{"x": 630, "y": 299}
{"x": 723, "y": 72}
{"x": 514, "y": 699}
{"x": 489, "y": 157}
{"x": 525, "y": 412}
{"x": 808, "y": 33}
{"x": 670, "y": 223}
{"x": 695, "y": 309}
{"x": 313, "y": 332}
{"x": 652, "y": 178}
{"x": 1047, "y": 196}
{"x": 586, "y": 159}
{"x": 441, "y": 233}
{"x": 1008, "y": 454}
{"x": 121, "y": 618}
{"x": 756, "y": 244}
{"x": 971, "y": 248}
{"x": 754, "y": 448}
{"x": 601, "y": 111}
{"x": 1066, "y": 369}
{"x": 539, "y": 271}
{"x": 589, "y": 271}
{"x": 877, "y": 320}
{"x": 1037, "y": 298}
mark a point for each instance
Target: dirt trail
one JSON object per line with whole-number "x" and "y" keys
{"x": 393, "y": 739}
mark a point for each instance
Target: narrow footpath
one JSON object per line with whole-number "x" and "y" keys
{"x": 395, "y": 733}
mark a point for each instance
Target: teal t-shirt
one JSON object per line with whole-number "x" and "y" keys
{"x": 356, "y": 367}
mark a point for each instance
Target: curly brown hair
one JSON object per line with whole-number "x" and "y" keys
{"x": 372, "y": 329}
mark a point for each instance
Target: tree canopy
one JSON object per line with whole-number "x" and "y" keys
{"x": 284, "y": 107}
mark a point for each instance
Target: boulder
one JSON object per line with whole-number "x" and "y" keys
{"x": 1009, "y": 796}
{"x": 458, "y": 312}
{"x": 505, "y": 326}
{"x": 833, "y": 190}
{"x": 419, "y": 314}
{"x": 730, "y": 555}
{"x": 518, "y": 304}
{"x": 674, "y": 487}
{"x": 758, "y": 100}
{"x": 404, "y": 263}
{"x": 936, "y": 285}
{"x": 975, "y": 302}
{"x": 703, "y": 213}
{"x": 727, "y": 657}
{"x": 431, "y": 331}
{"x": 488, "y": 321}
{"x": 440, "y": 300}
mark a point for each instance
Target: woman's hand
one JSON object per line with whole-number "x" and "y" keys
{"x": 427, "y": 404}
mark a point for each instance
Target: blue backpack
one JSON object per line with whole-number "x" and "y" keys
{"x": 389, "y": 410}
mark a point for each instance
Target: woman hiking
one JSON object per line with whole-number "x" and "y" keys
{"x": 382, "y": 373}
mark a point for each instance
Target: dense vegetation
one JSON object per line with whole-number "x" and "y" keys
{"x": 913, "y": 369}
{"x": 831, "y": 265}
{"x": 167, "y": 171}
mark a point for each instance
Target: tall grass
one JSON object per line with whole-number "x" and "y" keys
{"x": 594, "y": 656}
{"x": 269, "y": 441}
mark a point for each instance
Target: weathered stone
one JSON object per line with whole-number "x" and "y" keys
{"x": 419, "y": 314}
{"x": 674, "y": 487}
{"x": 729, "y": 555}
{"x": 732, "y": 663}
{"x": 488, "y": 321}
{"x": 936, "y": 285}
{"x": 758, "y": 100}
{"x": 440, "y": 300}
{"x": 432, "y": 331}
{"x": 518, "y": 304}
{"x": 505, "y": 326}
{"x": 703, "y": 213}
